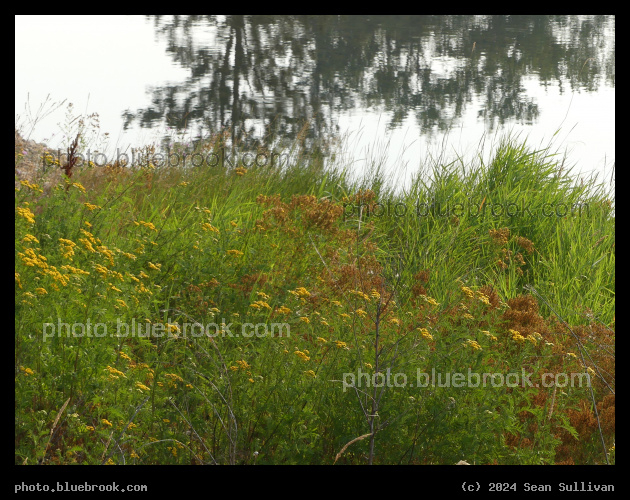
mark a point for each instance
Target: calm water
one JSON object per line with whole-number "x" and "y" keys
{"x": 397, "y": 87}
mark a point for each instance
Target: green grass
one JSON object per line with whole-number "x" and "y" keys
{"x": 308, "y": 247}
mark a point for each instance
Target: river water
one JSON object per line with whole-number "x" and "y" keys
{"x": 398, "y": 89}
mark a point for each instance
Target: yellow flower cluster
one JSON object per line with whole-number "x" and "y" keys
{"x": 29, "y": 185}
{"x": 206, "y": 226}
{"x": 67, "y": 248}
{"x": 425, "y": 333}
{"x": 516, "y": 336}
{"x": 485, "y": 332}
{"x": 115, "y": 373}
{"x": 236, "y": 253}
{"x": 474, "y": 344}
{"x": 468, "y": 291}
{"x": 27, "y": 214}
{"x": 341, "y": 345}
{"x": 302, "y": 355}
{"x": 259, "y": 304}
{"x": 359, "y": 293}
{"x": 148, "y": 225}
{"x": 300, "y": 292}
{"x": 283, "y": 310}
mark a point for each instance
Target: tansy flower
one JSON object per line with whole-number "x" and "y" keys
{"x": 106, "y": 422}
{"x": 425, "y": 333}
{"x": 341, "y": 345}
{"x": 474, "y": 344}
{"x": 467, "y": 291}
{"x": 305, "y": 319}
{"x": 322, "y": 340}
{"x": 302, "y": 355}
{"x": 361, "y": 313}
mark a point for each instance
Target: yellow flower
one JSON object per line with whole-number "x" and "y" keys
{"x": 341, "y": 345}
{"x": 28, "y": 238}
{"x": 142, "y": 386}
{"x": 106, "y": 422}
{"x": 474, "y": 344}
{"x": 467, "y": 291}
{"x": 155, "y": 267}
{"x": 302, "y": 355}
{"x": 243, "y": 364}
{"x": 425, "y": 333}
{"x": 395, "y": 321}
{"x": 236, "y": 253}
{"x": 26, "y": 213}
{"x": 91, "y": 207}
{"x": 322, "y": 340}
{"x": 310, "y": 373}
{"x": 361, "y": 313}
{"x": 41, "y": 291}
{"x": 305, "y": 319}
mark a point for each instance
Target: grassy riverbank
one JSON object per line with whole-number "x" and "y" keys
{"x": 324, "y": 301}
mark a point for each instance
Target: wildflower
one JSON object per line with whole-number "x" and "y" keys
{"x": 27, "y": 371}
{"x": 341, "y": 345}
{"x": 572, "y": 354}
{"x": 89, "y": 428}
{"x": 79, "y": 186}
{"x": 344, "y": 315}
{"x": 368, "y": 365}
{"x": 142, "y": 386}
{"x": 375, "y": 294}
{"x": 27, "y": 214}
{"x": 305, "y": 319}
{"x": 29, "y": 238}
{"x": 302, "y": 355}
{"x": 468, "y": 316}
{"x": 322, "y": 340}
{"x": 300, "y": 292}
{"x": 516, "y": 336}
{"x": 106, "y": 422}
{"x": 532, "y": 339}
{"x": 467, "y": 291}
{"x": 113, "y": 371}
{"x": 209, "y": 227}
{"x": 394, "y": 321}
{"x": 243, "y": 364}
{"x": 236, "y": 253}
{"x": 590, "y": 371}
{"x": 41, "y": 291}
{"x": 91, "y": 207}
{"x": 148, "y": 225}
{"x": 311, "y": 373}
{"x": 17, "y": 278}
{"x": 121, "y": 303}
{"x": 29, "y": 185}
{"x": 483, "y": 298}
{"x": 425, "y": 333}
{"x": 335, "y": 303}
{"x": 474, "y": 344}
